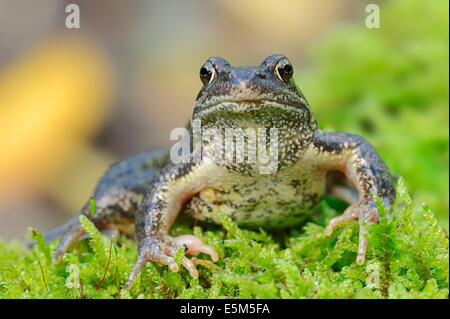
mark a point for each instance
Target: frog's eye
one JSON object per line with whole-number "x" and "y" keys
{"x": 284, "y": 70}
{"x": 207, "y": 73}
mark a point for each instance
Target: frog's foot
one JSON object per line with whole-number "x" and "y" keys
{"x": 49, "y": 236}
{"x": 350, "y": 214}
{"x": 70, "y": 233}
{"x": 75, "y": 232}
{"x": 161, "y": 250}
{"x": 361, "y": 212}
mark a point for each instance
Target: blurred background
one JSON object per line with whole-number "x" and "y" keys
{"x": 72, "y": 101}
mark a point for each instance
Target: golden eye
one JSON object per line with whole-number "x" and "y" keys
{"x": 284, "y": 70}
{"x": 207, "y": 73}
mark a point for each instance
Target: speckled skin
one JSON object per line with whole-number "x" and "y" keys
{"x": 148, "y": 190}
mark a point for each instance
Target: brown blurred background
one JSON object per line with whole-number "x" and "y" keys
{"x": 74, "y": 100}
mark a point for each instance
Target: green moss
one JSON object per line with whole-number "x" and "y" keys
{"x": 407, "y": 258}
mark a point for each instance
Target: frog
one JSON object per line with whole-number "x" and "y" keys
{"x": 142, "y": 195}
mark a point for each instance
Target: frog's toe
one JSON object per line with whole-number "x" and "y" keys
{"x": 364, "y": 212}
{"x": 72, "y": 235}
{"x": 350, "y": 214}
{"x": 362, "y": 246}
{"x": 50, "y": 235}
{"x": 194, "y": 246}
{"x": 151, "y": 250}
{"x": 190, "y": 267}
{"x": 369, "y": 214}
{"x": 161, "y": 251}
{"x": 140, "y": 264}
{"x": 345, "y": 218}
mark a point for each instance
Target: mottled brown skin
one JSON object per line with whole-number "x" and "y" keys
{"x": 148, "y": 191}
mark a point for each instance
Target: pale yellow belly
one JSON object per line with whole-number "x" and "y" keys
{"x": 270, "y": 201}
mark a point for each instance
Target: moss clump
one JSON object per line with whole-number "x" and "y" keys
{"x": 407, "y": 258}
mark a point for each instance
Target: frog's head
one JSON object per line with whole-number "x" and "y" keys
{"x": 249, "y": 96}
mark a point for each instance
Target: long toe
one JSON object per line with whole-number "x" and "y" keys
{"x": 195, "y": 246}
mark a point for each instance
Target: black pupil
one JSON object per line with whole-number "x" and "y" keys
{"x": 287, "y": 68}
{"x": 204, "y": 71}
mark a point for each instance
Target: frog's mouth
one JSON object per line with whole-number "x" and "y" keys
{"x": 243, "y": 105}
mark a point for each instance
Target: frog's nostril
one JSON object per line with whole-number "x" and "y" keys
{"x": 260, "y": 75}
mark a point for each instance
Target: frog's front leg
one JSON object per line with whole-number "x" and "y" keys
{"x": 363, "y": 167}
{"x": 117, "y": 195}
{"x": 157, "y": 212}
